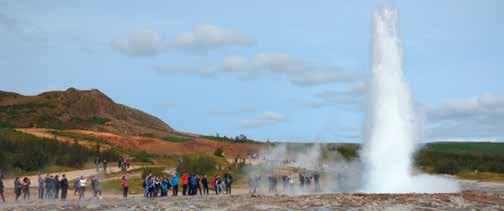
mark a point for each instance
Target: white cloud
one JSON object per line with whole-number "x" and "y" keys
{"x": 475, "y": 118}
{"x": 203, "y": 37}
{"x": 264, "y": 119}
{"x": 354, "y": 97}
{"x": 139, "y": 43}
{"x": 184, "y": 70}
{"x": 210, "y": 36}
{"x": 297, "y": 71}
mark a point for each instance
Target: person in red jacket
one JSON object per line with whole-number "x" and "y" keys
{"x": 185, "y": 182}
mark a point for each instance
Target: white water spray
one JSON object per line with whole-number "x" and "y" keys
{"x": 391, "y": 135}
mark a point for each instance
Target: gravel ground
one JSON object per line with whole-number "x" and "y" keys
{"x": 466, "y": 200}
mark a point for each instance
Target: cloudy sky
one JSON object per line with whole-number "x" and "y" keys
{"x": 279, "y": 70}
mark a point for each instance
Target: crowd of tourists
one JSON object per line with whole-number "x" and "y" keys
{"x": 192, "y": 184}
{"x": 255, "y": 183}
{"x": 52, "y": 187}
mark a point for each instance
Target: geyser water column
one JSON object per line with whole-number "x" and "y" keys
{"x": 391, "y": 136}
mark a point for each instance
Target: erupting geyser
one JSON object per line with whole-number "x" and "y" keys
{"x": 391, "y": 135}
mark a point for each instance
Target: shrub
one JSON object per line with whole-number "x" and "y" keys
{"x": 218, "y": 152}
{"x": 175, "y": 139}
{"x": 197, "y": 164}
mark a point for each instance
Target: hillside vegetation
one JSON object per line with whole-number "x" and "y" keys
{"x": 22, "y": 152}
{"x": 454, "y": 158}
{"x": 76, "y": 109}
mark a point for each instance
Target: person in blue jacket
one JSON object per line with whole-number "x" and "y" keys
{"x": 175, "y": 183}
{"x": 192, "y": 185}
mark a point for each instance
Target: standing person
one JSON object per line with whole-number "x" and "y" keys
{"x": 219, "y": 185}
{"x": 47, "y": 184}
{"x": 258, "y": 183}
{"x": 285, "y": 183}
{"x": 150, "y": 187}
{"x": 251, "y": 184}
{"x": 164, "y": 187}
{"x": 97, "y": 164}
{"x": 125, "y": 185}
{"x": 175, "y": 184}
{"x": 204, "y": 181}
{"x": 275, "y": 182}
{"x": 64, "y": 187}
{"x": 26, "y": 188}
{"x": 301, "y": 179}
{"x": 316, "y": 178}
{"x": 214, "y": 185}
{"x": 185, "y": 182}
{"x": 120, "y": 162}
{"x": 157, "y": 187}
{"x": 40, "y": 187}
{"x": 128, "y": 163}
{"x": 270, "y": 183}
{"x": 291, "y": 184}
{"x": 105, "y": 163}
{"x": 1, "y": 186}
{"x": 76, "y": 186}
{"x": 144, "y": 185}
{"x": 192, "y": 185}
{"x": 95, "y": 184}
{"x": 57, "y": 186}
{"x": 198, "y": 186}
{"x": 228, "y": 179}
{"x": 308, "y": 183}
{"x": 82, "y": 187}
{"x": 17, "y": 188}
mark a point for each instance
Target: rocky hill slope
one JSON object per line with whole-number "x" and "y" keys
{"x": 77, "y": 109}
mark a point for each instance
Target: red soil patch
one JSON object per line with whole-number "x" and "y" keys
{"x": 154, "y": 145}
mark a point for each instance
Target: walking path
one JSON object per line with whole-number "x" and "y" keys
{"x": 9, "y": 183}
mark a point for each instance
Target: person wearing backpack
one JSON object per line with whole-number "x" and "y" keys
{"x": 228, "y": 179}
{"x": 64, "y": 187}
{"x": 164, "y": 187}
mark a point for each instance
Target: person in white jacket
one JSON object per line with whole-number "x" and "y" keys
{"x": 82, "y": 187}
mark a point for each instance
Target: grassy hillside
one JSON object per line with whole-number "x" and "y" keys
{"x": 20, "y": 152}
{"x": 76, "y": 109}
{"x": 454, "y": 158}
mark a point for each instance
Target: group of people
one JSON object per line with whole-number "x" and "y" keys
{"x": 192, "y": 184}
{"x": 52, "y": 187}
{"x": 103, "y": 162}
{"x": 305, "y": 180}
{"x": 123, "y": 163}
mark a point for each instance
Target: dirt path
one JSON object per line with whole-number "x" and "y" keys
{"x": 9, "y": 183}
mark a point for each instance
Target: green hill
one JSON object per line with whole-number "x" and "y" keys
{"x": 76, "y": 109}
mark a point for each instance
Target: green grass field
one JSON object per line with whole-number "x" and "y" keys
{"x": 483, "y": 148}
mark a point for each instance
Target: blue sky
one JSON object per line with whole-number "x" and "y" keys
{"x": 278, "y": 70}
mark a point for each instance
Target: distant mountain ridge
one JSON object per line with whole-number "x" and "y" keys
{"x": 77, "y": 109}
